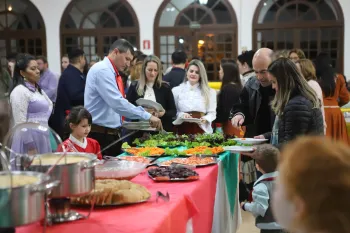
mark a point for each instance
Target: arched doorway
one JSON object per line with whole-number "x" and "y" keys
{"x": 95, "y": 25}
{"x": 313, "y": 26}
{"x": 22, "y": 29}
{"x": 202, "y": 28}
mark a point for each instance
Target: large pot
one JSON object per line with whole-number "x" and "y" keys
{"x": 24, "y": 204}
{"x": 76, "y": 178}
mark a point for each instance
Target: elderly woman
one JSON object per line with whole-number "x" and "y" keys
{"x": 150, "y": 86}
{"x": 311, "y": 194}
{"x": 296, "y": 54}
{"x": 195, "y": 99}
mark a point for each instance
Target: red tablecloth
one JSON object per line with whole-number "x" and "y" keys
{"x": 187, "y": 200}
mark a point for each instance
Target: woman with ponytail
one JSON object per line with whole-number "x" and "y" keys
{"x": 29, "y": 103}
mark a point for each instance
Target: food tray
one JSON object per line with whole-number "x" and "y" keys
{"x": 109, "y": 205}
{"x": 167, "y": 179}
{"x": 198, "y": 165}
{"x": 173, "y": 173}
{"x": 141, "y": 159}
{"x": 150, "y": 156}
{"x": 200, "y": 155}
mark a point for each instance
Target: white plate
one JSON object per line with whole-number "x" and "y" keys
{"x": 252, "y": 141}
{"x": 238, "y": 149}
{"x": 150, "y": 104}
{"x": 192, "y": 120}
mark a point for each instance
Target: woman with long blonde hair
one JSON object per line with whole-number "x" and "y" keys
{"x": 296, "y": 105}
{"x": 150, "y": 86}
{"x": 195, "y": 99}
{"x": 312, "y": 191}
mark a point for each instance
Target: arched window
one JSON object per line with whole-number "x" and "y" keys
{"x": 313, "y": 26}
{"x": 206, "y": 29}
{"x": 22, "y": 28}
{"x": 95, "y": 25}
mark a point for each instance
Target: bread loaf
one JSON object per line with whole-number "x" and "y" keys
{"x": 114, "y": 192}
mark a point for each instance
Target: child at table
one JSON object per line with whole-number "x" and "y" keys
{"x": 266, "y": 160}
{"x": 79, "y": 121}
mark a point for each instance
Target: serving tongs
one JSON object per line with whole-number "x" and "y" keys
{"x": 164, "y": 197}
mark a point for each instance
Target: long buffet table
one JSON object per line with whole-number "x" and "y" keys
{"x": 207, "y": 205}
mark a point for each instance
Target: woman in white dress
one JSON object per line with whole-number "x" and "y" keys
{"x": 195, "y": 99}
{"x": 29, "y": 103}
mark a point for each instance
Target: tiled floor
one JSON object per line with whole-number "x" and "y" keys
{"x": 248, "y": 224}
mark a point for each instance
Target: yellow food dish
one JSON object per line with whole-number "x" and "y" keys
{"x": 52, "y": 159}
{"x": 17, "y": 181}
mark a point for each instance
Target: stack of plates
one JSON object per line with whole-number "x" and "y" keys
{"x": 251, "y": 141}
{"x": 139, "y": 125}
{"x": 247, "y": 146}
{"x": 192, "y": 120}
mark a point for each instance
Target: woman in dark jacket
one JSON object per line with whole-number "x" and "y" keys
{"x": 231, "y": 88}
{"x": 150, "y": 86}
{"x": 296, "y": 105}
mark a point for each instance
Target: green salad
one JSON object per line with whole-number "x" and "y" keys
{"x": 169, "y": 151}
{"x": 189, "y": 141}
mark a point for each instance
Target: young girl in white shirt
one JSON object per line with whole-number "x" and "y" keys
{"x": 79, "y": 121}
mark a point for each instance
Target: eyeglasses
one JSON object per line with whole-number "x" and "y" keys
{"x": 261, "y": 71}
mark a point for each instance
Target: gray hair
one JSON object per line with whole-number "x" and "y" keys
{"x": 140, "y": 88}
{"x": 203, "y": 79}
{"x": 123, "y": 46}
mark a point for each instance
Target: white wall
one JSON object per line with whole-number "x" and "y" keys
{"x": 146, "y": 11}
{"x": 52, "y": 19}
{"x": 146, "y": 20}
{"x": 345, "y": 4}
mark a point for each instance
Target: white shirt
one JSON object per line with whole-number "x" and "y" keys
{"x": 77, "y": 142}
{"x": 189, "y": 98}
{"x": 149, "y": 92}
{"x": 314, "y": 85}
{"x": 27, "y": 106}
{"x": 103, "y": 99}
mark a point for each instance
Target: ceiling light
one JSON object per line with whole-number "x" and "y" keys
{"x": 181, "y": 41}
{"x": 203, "y": 2}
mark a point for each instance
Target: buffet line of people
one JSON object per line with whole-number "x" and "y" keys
{"x": 276, "y": 101}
